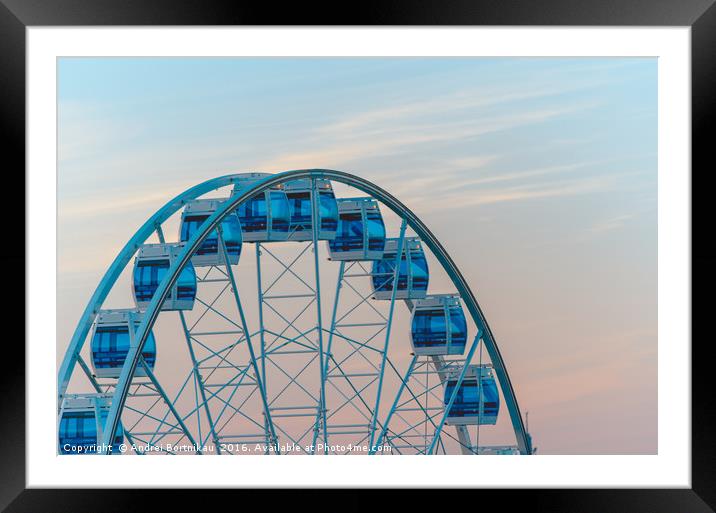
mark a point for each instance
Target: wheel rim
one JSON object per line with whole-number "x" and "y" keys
{"x": 376, "y": 410}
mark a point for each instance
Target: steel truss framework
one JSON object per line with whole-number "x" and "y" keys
{"x": 298, "y": 382}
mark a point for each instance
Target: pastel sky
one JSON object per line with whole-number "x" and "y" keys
{"x": 538, "y": 175}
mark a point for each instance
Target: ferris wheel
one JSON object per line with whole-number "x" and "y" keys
{"x": 303, "y": 312}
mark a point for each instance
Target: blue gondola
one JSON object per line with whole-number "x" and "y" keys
{"x": 209, "y": 253}
{"x": 110, "y": 343}
{"x": 477, "y": 400}
{"x": 266, "y": 216}
{"x": 361, "y": 231}
{"x": 150, "y": 268}
{"x": 82, "y": 417}
{"x": 438, "y": 326}
{"x": 412, "y": 276}
{"x": 298, "y": 193}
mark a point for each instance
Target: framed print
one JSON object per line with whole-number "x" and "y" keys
{"x": 377, "y": 250}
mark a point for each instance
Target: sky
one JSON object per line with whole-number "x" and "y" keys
{"x": 538, "y": 175}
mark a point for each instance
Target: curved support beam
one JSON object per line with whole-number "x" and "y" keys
{"x": 211, "y": 223}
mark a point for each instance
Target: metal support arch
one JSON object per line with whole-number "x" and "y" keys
{"x": 209, "y": 225}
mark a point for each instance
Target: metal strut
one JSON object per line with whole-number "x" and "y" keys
{"x": 259, "y": 383}
{"x": 314, "y": 232}
{"x": 195, "y": 366}
{"x": 460, "y": 378}
{"x": 396, "y": 276}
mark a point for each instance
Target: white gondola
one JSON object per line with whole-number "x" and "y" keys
{"x": 266, "y": 216}
{"x": 82, "y": 418}
{"x": 412, "y": 275}
{"x": 151, "y": 266}
{"x": 361, "y": 231}
{"x": 111, "y": 340}
{"x": 477, "y": 400}
{"x": 209, "y": 253}
{"x": 299, "y": 194}
{"x": 438, "y": 326}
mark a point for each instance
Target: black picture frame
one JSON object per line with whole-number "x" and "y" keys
{"x": 700, "y": 15}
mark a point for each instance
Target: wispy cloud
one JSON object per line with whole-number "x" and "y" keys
{"x": 116, "y": 201}
{"x": 113, "y": 204}
{"x": 463, "y": 182}
{"x": 88, "y": 129}
{"x": 453, "y": 184}
{"x": 328, "y": 149}
{"x": 430, "y": 202}
{"x": 613, "y": 223}
{"x": 446, "y": 104}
